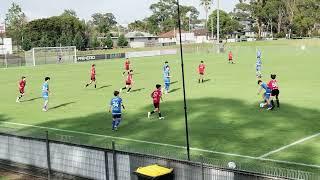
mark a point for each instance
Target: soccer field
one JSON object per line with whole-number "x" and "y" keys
{"x": 225, "y": 120}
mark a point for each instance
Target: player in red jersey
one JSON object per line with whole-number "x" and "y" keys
{"x": 126, "y": 66}
{"x": 21, "y": 85}
{"x": 129, "y": 82}
{"x": 273, "y": 85}
{"x": 201, "y": 70}
{"x": 156, "y": 96}
{"x": 230, "y": 57}
{"x": 93, "y": 76}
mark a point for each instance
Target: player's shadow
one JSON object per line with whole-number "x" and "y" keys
{"x": 174, "y": 90}
{"x": 216, "y": 124}
{"x": 32, "y": 99}
{"x": 174, "y": 82}
{"x": 137, "y": 90}
{"x": 206, "y": 80}
{"x": 61, "y": 105}
{"x": 102, "y": 87}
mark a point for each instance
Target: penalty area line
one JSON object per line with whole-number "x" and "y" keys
{"x": 289, "y": 145}
{"x": 162, "y": 144}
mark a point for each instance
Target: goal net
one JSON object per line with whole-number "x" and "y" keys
{"x": 51, "y": 55}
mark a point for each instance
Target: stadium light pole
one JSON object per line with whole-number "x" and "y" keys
{"x": 183, "y": 85}
{"x": 218, "y": 22}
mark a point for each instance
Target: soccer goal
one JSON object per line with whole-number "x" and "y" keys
{"x": 51, "y": 55}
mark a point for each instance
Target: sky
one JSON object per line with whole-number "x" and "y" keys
{"x": 125, "y": 11}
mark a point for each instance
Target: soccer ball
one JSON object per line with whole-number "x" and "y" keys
{"x": 232, "y": 165}
{"x": 261, "y": 105}
{"x": 303, "y": 47}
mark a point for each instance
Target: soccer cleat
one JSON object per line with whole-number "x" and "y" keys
{"x": 161, "y": 118}
{"x": 44, "y": 110}
{"x": 149, "y": 114}
{"x": 17, "y": 100}
{"x": 128, "y": 92}
{"x": 270, "y": 108}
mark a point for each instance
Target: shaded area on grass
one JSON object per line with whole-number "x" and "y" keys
{"x": 216, "y": 124}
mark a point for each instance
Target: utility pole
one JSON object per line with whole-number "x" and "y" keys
{"x": 218, "y": 21}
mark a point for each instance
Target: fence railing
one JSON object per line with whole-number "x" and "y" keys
{"x": 118, "y": 162}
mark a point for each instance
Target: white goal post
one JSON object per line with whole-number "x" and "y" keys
{"x": 51, "y": 55}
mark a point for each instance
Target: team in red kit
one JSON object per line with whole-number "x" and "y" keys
{"x": 93, "y": 76}
{"x": 22, "y": 84}
{"x": 201, "y": 70}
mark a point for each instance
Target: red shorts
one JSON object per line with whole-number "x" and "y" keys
{"x": 201, "y": 73}
{"x": 156, "y": 105}
{"x": 93, "y": 78}
{"x": 230, "y": 59}
{"x": 128, "y": 83}
{"x": 21, "y": 90}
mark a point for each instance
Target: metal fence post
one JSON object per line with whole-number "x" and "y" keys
{"x": 202, "y": 168}
{"x": 114, "y": 161}
{"x": 48, "y": 155}
{"x": 106, "y": 164}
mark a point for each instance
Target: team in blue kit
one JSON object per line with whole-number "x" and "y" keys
{"x": 45, "y": 93}
{"x": 266, "y": 94}
{"x": 258, "y": 65}
{"x": 116, "y": 110}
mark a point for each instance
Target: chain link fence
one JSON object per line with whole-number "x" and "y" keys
{"x": 61, "y": 155}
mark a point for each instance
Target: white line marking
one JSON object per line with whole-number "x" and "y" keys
{"x": 166, "y": 145}
{"x": 289, "y": 145}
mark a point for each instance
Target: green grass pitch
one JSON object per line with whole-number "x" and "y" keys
{"x": 224, "y": 114}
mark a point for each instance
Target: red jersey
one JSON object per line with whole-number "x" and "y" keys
{"x": 93, "y": 72}
{"x": 129, "y": 78}
{"x": 273, "y": 84}
{"x": 230, "y": 56}
{"x": 22, "y": 84}
{"x": 201, "y": 68}
{"x": 156, "y": 95}
{"x": 127, "y": 65}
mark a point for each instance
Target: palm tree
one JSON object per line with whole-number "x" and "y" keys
{"x": 207, "y": 5}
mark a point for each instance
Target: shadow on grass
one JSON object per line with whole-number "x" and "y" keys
{"x": 174, "y": 82}
{"x": 61, "y": 105}
{"x": 206, "y": 80}
{"x": 137, "y": 90}
{"x": 32, "y": 99}
{"x": 174, "y": 90}
{"x": 102, "y": 87}
{"x": 215, "y": 124}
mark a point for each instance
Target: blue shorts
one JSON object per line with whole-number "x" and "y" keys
{"x": 45, "y": 98}
{"x": 258, "y": 68}
{"x": 167, "y": 85}
{"x": 116, "y": 116}
{"x": 267, "y": 95}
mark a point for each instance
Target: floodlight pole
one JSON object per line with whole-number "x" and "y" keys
{"x": 218, "y": 21}
{"x": 183, "y": 84}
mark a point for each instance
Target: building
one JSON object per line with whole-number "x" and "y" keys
{"x": 138, "y": 39}
{"x": 201, "y": 35}
{"x": 173, "y": 36}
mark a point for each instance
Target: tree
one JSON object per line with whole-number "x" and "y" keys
{"x": 164, "y": 15}
{"x": 26, "y": 44}
{"x": 138, "y": 26}
{"x": 79, "y": 41}
{"x": 227, "y": 24}
{"x": 122, "y": 41}
{"x": 69, "y": 12}
{"x": 94, "y": 42}
{"x": 206, "y": 5}
{"x": 108, "y": 42}
{"x": 104, "y": 22}
{"x": 15, "y": 22}
{"x": 44, "y": 41}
